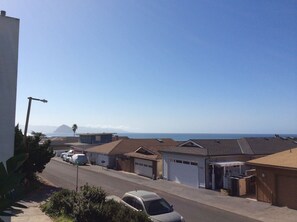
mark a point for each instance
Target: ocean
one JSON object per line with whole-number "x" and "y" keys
{"x": 185, "y": 136}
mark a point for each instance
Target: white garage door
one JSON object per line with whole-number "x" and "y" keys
{"x": 102, "y": 160}
{"x": 184, "y": 172}
{"x": 143, "y": 167}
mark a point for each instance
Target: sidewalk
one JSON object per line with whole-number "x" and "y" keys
{"x": 31, "y": 212}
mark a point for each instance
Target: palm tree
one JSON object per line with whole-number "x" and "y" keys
{"x": 74, "y": 128}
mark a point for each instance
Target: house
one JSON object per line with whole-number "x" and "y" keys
{"x": 276, "y": 178}
{"x": 139, "y": 156}
{"x": 88, "y": 140}
{"x": 210, "y": 163}
{"x": 201, "y": 163}
{"x": 95, "y": 138}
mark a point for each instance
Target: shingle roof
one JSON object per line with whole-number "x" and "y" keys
{"x": 185, "y": 150}
{"x": 285, "y": 159}
{"x": 104, "y": 148}
{"x": 130, "y": 145}
{"x": 142, "y": 156}
{"x": 269, "y": 145}
{"x": 244, "y": 146}
{"x": 220, "y": 147}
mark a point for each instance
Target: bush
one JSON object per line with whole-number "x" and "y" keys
{"x": 89, "y": 205}
{"x": 60, "y": 203}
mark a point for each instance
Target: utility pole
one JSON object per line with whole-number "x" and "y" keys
{"x": 28, "y": 116}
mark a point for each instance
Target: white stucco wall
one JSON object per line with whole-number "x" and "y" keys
{"x": 9, "y": 38}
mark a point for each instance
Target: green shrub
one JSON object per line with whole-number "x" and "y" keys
{"x": 115, "y": 212}
{"x": 89, "y": 205}
{"x": 60, "y": 203}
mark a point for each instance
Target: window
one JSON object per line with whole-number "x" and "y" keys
{"x": 137, "y": 205}
{"x": 186, "y": 162}
{"x": 159, "y": 206}
{"x": 178, "y": 161}
{"x": 128, "y": 200}
{"x": 194, "y": 164}
{"x": 133, "y": 202}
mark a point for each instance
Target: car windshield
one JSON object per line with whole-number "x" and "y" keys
{"x": 159, "y": 206}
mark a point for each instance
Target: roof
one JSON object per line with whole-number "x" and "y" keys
{"x": 58, "y": 141}
{"x": 142, "y": 156}
{"x": 185, "y": 150}
{"x": 220, "y": 147}
{"x": 80, "y": 146}
{"x": 144, "y": 195}
{"x": 285, "y": 159}
{"x": 243, "y": 146}
{"x": 204, "y": 147}
{"x": 270, "y": 145}
{"x": 104, "y": 148}
{"x": 131, "y": 145}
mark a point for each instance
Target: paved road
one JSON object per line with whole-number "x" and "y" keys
{"x": 64, "y": 175}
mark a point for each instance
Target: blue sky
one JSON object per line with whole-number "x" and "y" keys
{"x": 159, "y": 66}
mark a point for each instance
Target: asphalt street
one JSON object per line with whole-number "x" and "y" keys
{"x": 64, "y": 175}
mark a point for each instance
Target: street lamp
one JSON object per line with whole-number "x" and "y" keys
{"x": 28, "y": 115}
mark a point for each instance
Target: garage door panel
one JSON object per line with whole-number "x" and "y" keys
{"x": 184, "y": 172}
{"x": 287, "y": 191}
{"x": 143, "y": 167}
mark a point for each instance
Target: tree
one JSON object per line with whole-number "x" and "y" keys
{"x": 74, "y": 128}
{"x": 39, "y": 152}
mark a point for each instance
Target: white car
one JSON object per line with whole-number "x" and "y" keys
{"x": 65, "y": 153}
{"x": 79, "y": 159}
{"x": 157, "y": 209}
{"x": 67, "y": 157}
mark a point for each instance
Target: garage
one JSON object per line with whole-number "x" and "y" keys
{"x": 286, "y": 191}
{"x": 184, "y": 172}
{"x": 276, "y": 178}
{"x": 143, "y": 167}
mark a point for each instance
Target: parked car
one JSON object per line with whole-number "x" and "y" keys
{"x": 79, "y": 159}
{"x": 64, "y": 153}
{"x": 157, "y": 208}
{"x": 67, "y": 157}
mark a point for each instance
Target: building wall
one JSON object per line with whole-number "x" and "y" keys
{"x": 9, "y": 38}
{"x": 125, "y": 163}
{"x": 95, "y": 139}
{"x": 276, "y": 186}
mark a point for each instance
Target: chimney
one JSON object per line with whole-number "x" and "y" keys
{"x": 3, "y": 13}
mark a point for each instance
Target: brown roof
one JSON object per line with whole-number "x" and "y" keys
{"x": 270, "y": 145}
{"x": 285, "y": 159}
{"x": 131, "y": 145}
{"x": 220, "y": 146}
{"x": 142, "y": 156}
{"x": 204, "y": 147}
{"x": 244, "y": 146}
{"x": 185, "y": 150}
{"x": 104, "y": 148}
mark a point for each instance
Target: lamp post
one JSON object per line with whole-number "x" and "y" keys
{"x": 28, "y": 115}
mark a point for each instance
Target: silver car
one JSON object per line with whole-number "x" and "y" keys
{"x": 158, "y": 209}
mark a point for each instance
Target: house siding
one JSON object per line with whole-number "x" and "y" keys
{"x": 275, "y": 186}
